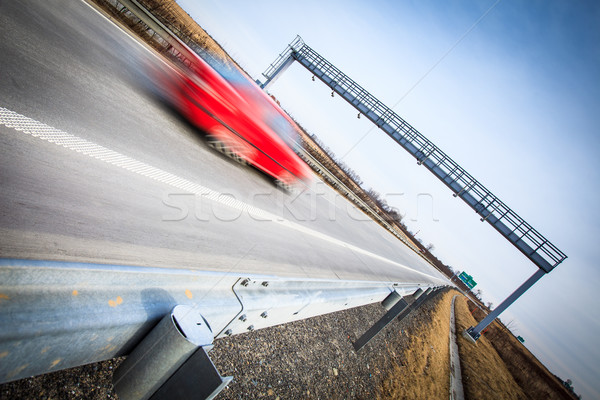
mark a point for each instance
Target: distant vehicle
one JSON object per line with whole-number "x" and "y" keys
{"x": 240, "y": 120}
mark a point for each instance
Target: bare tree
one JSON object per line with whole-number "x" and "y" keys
{"x": 511, "y": 326}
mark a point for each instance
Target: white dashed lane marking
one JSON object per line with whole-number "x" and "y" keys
{"x": 45, "y": 132}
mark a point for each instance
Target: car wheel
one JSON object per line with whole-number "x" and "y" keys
{"x": 222, "y": 148}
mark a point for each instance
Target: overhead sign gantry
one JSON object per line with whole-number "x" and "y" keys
{"x": 490, "y": 208}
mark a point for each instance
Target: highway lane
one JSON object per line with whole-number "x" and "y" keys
{"x": 66, "y": 67}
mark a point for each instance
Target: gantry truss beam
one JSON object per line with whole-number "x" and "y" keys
{"x": 490, "y": 208}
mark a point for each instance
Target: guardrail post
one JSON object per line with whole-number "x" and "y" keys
{"x": 426, "y": 295}
{"x": 172, "y": 361}
{"x": 399, "y": 310}
{"x": 391, "y": 300}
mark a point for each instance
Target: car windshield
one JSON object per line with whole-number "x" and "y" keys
{"x": 230, "y": 73}
{"x": 283, "y": 128}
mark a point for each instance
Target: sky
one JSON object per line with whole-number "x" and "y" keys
{"x": 509, "y": 89}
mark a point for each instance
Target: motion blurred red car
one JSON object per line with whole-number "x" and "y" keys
{"x": 239, "y": 119}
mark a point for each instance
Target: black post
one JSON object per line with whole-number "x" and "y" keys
{"x": 400, "y": 310}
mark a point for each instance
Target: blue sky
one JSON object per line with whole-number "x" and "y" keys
{"x": 514, "y": 97}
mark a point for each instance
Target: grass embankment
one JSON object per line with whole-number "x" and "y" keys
{"x": 530, "y": 374}
{"x": 497, "y": 367}
{"x": 484, "y": 373}
{"x": 423, "y": 370}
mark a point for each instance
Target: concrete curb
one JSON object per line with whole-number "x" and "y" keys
{"x": 456, "y": 386}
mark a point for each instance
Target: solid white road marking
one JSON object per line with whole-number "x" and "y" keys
{"x": 45, "y": 132}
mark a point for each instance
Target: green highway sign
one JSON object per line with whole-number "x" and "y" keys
{"x": 467, "y": 279}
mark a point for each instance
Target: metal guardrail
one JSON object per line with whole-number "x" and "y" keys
{"x": 323, "y": 171}
{"x": 153, "y": 23}
{"x": 56, "y": 315}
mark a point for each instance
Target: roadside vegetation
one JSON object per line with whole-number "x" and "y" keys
{"x": 484, "y": 374}
{"x": 528, "y": 372}
{"x": 422, "y": 371}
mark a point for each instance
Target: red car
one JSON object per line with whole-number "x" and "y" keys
{"x": 239, "y": 119}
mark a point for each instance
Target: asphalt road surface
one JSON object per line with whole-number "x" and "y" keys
{"x": 93, "y": 168}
